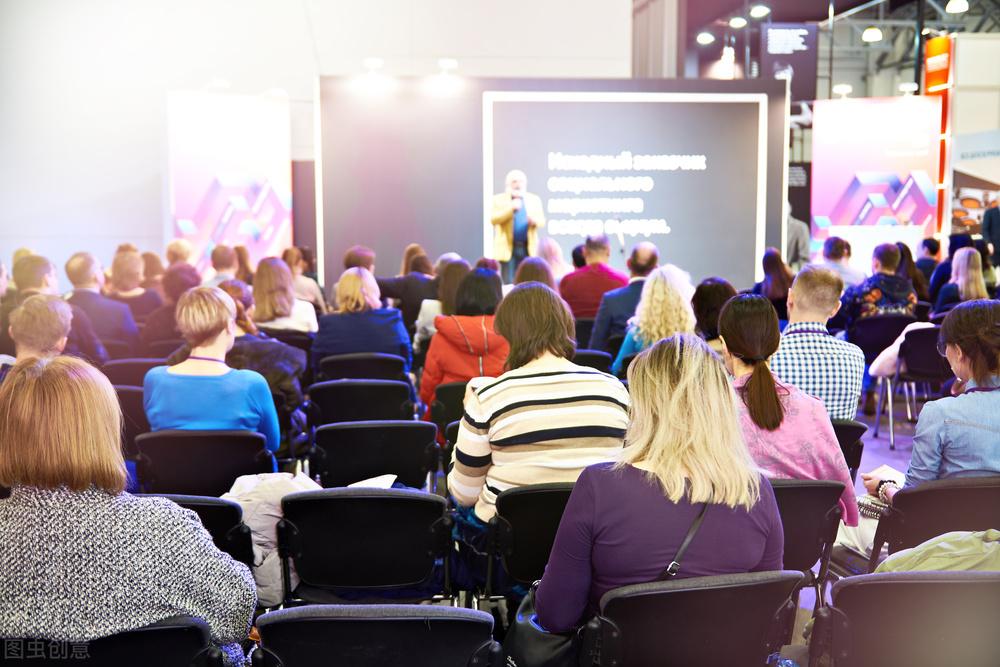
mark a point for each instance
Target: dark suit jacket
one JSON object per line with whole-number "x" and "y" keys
{"x": 112, "y": 319}
{"x": 379, "y": 330}
{"x": 991, "y": 232}
{"x": 82, "y": 340}
{"x": 617, "y": 306}
{"x": 411, "y": 290}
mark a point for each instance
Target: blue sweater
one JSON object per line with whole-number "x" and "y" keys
{"x": 240, "y": 400}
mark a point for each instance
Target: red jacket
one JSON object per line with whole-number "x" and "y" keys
{"x": 463, "y": 348}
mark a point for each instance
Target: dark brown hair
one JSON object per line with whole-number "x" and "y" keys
{"x": 421, "y": 264}
{"x": 535, "y": 320}
{"x": 974, "y": 326}
{"x": 178, "y": 279}
{"x": 836, "y": 248}
{"x": 777, "y": 275}
{"x": 451, "y": 275}
{"x": 534, "y": 270}
{"x": 244, "y": 271}
{"x": 749, "y": 325}
{"x": 243, "y": 297}
{"x": 479, "y": 293}
{"x": 709, "y": 298}
{"x": 887, "y": 255}
{"x": 908, "y": 269}
{"x": 359, "y": 255}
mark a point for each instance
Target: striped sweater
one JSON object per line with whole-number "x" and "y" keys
{"x": 543, "y": 422}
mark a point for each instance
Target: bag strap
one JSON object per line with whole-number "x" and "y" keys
{"x": 675, "y": 565}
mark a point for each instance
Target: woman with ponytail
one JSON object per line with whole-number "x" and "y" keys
{"x": 788, "y": 432}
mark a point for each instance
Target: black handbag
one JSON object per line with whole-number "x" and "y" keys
{"x": 527, "y": 644}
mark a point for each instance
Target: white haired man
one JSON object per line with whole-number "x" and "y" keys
{"x": 517, "y": 216}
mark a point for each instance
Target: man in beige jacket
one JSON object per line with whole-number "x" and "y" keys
{"x": 517, "y": 216}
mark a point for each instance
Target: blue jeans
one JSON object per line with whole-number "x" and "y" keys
{"x": 509, "y": 269}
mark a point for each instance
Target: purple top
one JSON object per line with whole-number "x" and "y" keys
{"x": 619, "y": 529}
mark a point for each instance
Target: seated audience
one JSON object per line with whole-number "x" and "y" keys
{"x": 908, "y": 269}
{"x": 837, "y": 257}
{"x": 618, "y": 305}
{"x": 202, "y": 393}
{"x": 244, "y": 269}
{"x": 179, "y": 251}
{"x": 579, "y": 261}
{"x": 309, "y": 264}
{"x": 584, "y": 288}
{"x": 927, "y": 262}
{"x": 360, "y": 255}
{"x": 112, "y": 320}
{"x": 466, "y": 344}
{"x": 662, "y": 311}
{"x": 942, "y": 274}
{"x": 277, "y": 307}
{"x": 450, "y": 275}
{"x": 487, "y": 263}
{"x": 152, "y": 271}
{"x": 625, "y": 521}
{"x": 126, "y": 285}
{"x": 884, "y": 293}
{"x": 409, "y": 252}
{"x": 34, "y": 274}
{"x": 788, "y": 433}
{"x": 550, "y": 250}
{"x": 162, "y": 323}
{"x": 809, "y": 357}
{"x": 112, "y": 561}
{"x": 411, "y": 289}
{"x": 709, "y": 297}
{"x": 40, "y": 327}
{"x": 360, "y": 324}
{"x": 989, "y": 272}
{"x": 966, "y": 281}
{"x": 777, "y": 280}
{"x": 305, "y": 287}
{"x": 533, "y": 270}
{"x": 225, "y": 264}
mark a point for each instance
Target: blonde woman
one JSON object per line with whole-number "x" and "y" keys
{"x": 664, "y": 309}
{"x": 127, "y": 277}
{"x": 966, "y": 282}
{"x": 552, "y": 253}
{"x": 684, "y": 456}
{"x": 277, "y": 306}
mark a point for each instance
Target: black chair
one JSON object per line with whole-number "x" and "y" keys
{"x": 914, "y": 618}
{"x": 849, "y": 433}
{"x": 594, "y": 359}
{"x": 918, "y": 353}
{"x": 361, "y": 400}
{"x": 164, "y": 348}
{"x": 919, "y": 513}
{"x": 584, "y": 327}
{"x": 129, "y": 372}
{"x": 615, "y": 344}
{"x": 363, "y": 366}
{"x": 448, "y": 404}
{"x": 370, "y": 539}
{"x": 298, "y": 339}
{"x": 199, "y": 463}
{"x": 626, "y": 362}
{"x": 118, "y": 349}
{"x": 810, "y": 516}
{"x": 923, "y": 312}
{"x": 223, "y": 519}
{"x": 376, "y": 636}
{"x": 353, "y": 451}
{"x": 724, "y": 620}
{"x": 134, "y": 422}
{"x": 451, "y": 433}
{"x": 180, "y": 640}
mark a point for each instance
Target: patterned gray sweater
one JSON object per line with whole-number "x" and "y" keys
{"x": 79, "y": 566}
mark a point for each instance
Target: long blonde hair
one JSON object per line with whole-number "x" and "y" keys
{"x": 967, "y": 273}
{"x": 273, "y": 290}
{"x": 684, "y": 429}
{"x": 664, "y": 308}
{"x": 356, "y": 290}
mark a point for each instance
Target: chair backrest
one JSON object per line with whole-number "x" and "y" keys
{"x": 350, "y": 452}
{"x": 615, "y": 344}
{"x": 377, "y": 635}
{"x": 298, "y": 339}
{"x": 223, "y": 519}
{"x": 363, "y": 366}
{"x": 134, "y": 422}
{"x": 129, "y": 372}
{"x": 849, "y": 433}
{"x": 449, "y": 403}
{"x": 723, "y": 620}
{"x": 118, "y": 349}
{"x": 810, "y": 516}
{"x": 919, "y": 353}
{"x": 164, "y": 348}
{"x": 451, "y": 433}
{"x": 923, "y": 311}
{"x": 918, "y": 618}
{"x": 364, "y": 538}
{"x": 626, "y": 362}
{"x": 593, "y": 359}
{"x": 199, "y": 463}
{"x": 584, "y": 327}
{"x": 180, "y": 640}
{"x": 525, "y": 527}
{"x": 361, "y": 400}
{"x": 876, "y": 333}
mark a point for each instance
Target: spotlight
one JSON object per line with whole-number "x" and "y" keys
{"x": 705, "y": 38}
{"x": 957, "y": 6}
{"x": 843, "y": 89}
{"x": 871, "y": 34}
{"x": 373, "y": 82}
{"x": 444, "y": 83}
{"x": 759, "y": 11}
{"x": 737, "y": 22}
{"x": 908, "y": 87}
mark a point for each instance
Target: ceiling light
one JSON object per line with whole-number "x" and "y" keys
{"x": 871, "y": 34}
{"x": 957, "y": 6}
{"x": 908, "y": 87}
{"x": 759, "y": 11}
{"x": 447, "y": 64}
{"x": 737, "y": 22}
{"x": 705, "y": 38}
{"x": 843, "y": 89}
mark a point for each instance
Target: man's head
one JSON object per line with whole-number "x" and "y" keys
{"x": 836, "y": 249}
{"x": 178, "y": 279}
{"x": 815, "y": 294}
{"x": 643, "y": 259}
{"x": 885, "y": 258}
{"x": 958, "y": 241}
{"x": 36, "y": 273}
{"x": 224, "y": 260}
{"x": 359, "y": 256}
{"x": 516, "y": 181}
{"x": 578, "y": 261}
{"x": 929, "y": 248}
{"x": 40, "y": 326}
{"x": 597, "y": 249}
{"x": 84, "y": 271}
{"x": 178, "y": 250}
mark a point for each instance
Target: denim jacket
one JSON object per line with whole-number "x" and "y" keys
{"x": 957, "y": 436}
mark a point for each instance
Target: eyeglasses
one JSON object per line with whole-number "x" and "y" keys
{"x": 942, "y": 348}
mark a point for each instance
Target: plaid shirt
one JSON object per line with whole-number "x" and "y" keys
{"x": 822, "y": 366}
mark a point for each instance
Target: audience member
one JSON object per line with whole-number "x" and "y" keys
{"x": 152, "y": 271}
{"x": 908, "y": 269}
{"x": 449, "y": 277}
{"x": 989, "y": 272}
{"x": 305, "y": 287}
{"x": 409, "y": 252}
{"x": 797, "y": 241}
{"x": 19, "y": 254}
{"x": 126, "y": 285}
{"x": 309, "y": 263}
{"x": 709, "y": 297}
{"x": 533, "y": 270}
{"x": 162, "y": 323}
{"x": 927, "y": 262}
{"x": 411, "y": 289}
{"x": 788, "y": 433}
{"x": 202, "y": 393}
{"x": 5, "y": 288}
{"x": 488, "y": 263}
{"x": 966, "y": 283}
{"x": 942, "y": 274}
{"x": 40, "y": 328}
{"x": 277, "y": 307}
{"x": 685, "y": 460}
{"x": 618, "y": 305}
{"x": 120, "y": 561}
{"x": 466, "y": 344}
{"x": 550, "y": 250}
{"x": 178, "y": 251}
{"x": 225, "y": 263}
{"x": 244, "y": 269}
{"x": 34, "y": 274}
{"x": 837, "y": 256}
{"x": 777, "y": 280}
{"x": 584, "y": 288}
{"x": 112, "y": 320}
{"x": 579, "y": 261}
{"x": 991, "y": 231}
{"x": 360, "y": 323}
{"x": 662, "y": 311}
{"x": 359, "y": 255}
{"x": 884, "y": 293}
